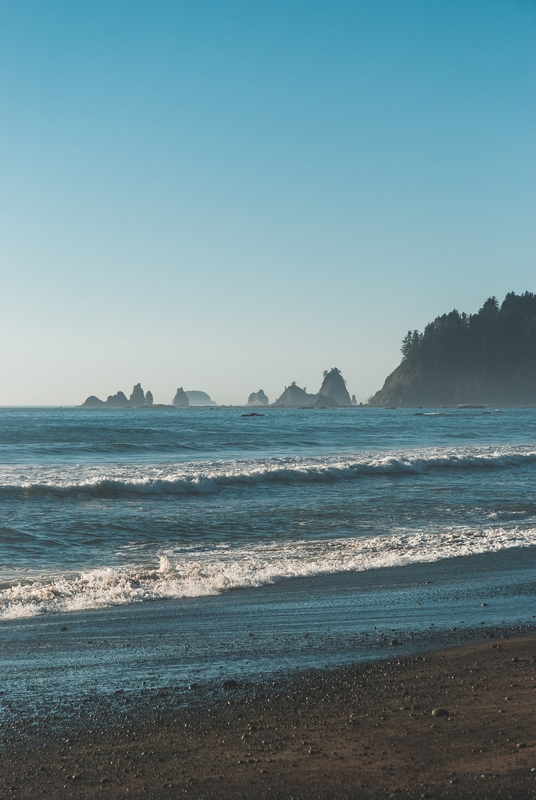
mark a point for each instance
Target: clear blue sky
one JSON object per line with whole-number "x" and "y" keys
{"x": 229, "y": 195}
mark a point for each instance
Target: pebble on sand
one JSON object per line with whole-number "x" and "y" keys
{"x": 440, "y": 712}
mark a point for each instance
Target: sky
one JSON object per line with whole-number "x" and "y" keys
{"x": 230, "y": 195}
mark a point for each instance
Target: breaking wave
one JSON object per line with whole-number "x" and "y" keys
{"x": 209, "y": 477}
{"x": 190, "y": 573}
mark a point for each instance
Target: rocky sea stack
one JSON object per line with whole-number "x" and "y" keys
{"x": 334, "y": 388}
{"x": 294, "y": 397}
{"x": 333, "y": 394}
{"x": 258, "y": 399}
{"x": 138, "y": 399}
{"x": 487, "y": 358}
{"x": 181, "y": 399}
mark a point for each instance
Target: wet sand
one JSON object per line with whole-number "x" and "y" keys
{"x": 356, "y": 732}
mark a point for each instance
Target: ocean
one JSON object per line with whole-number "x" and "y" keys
{"x": 150, "y": 547}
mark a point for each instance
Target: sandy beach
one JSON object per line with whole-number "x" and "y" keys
{"x": 355, "y": 732}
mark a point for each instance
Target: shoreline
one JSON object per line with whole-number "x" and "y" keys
{"x": 363, "y": 731}
{"x": 89, "y": 659}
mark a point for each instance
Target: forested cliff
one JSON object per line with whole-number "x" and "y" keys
{"x": 483, "y": 358}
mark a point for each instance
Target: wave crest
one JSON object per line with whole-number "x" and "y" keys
{"x": 193, "y": 574}
{"x": 210, "y": 477}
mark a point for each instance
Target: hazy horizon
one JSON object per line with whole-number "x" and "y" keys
{"x": 234, "y": 196}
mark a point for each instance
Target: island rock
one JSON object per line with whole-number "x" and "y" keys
{"x": 258, "y": 399}
{"x": 137, "y": 398}
{"x": 295, "y": 397}
{"x": 181, "y": 399}
{"x": 118, "y": 400}
{"x": 334, "y": 388}
{"x": 200, "y": 399}
{"x": 92, "y": 402}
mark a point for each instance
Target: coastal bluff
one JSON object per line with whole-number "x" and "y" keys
{"x": 487, "y": 358}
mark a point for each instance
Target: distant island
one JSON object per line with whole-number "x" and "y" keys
{"x": 487, "y": 358}
{"x": 140, "y": 399}
{"x": 258, "y": 399}
{"x": 184, "y": 399}
{"x": 332, "y": 394}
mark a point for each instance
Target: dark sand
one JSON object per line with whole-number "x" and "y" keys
{"x": 359, "y": 732}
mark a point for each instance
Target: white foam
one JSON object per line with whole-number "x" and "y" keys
{"x": 190, "y": 573}
{"x": 116, "y": 480}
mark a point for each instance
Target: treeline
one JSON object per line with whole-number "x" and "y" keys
{"x": 498, "y": 337}
{"x": 487, "y": 357}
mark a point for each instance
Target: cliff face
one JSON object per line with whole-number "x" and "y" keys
{"x": 258, "y": 399}
{"x": 334, "y": 387}
{"x": 487, "y": 358}
{"x": 407, "y": 386}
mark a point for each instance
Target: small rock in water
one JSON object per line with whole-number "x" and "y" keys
{"x": 394, "y": 642}
{"x": 440, "y": 712}
{"x": 230, "y": 684}
{"x": 63, "y": 628}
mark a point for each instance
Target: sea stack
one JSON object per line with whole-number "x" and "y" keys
{"x": 181, "y": 399}
{"x": 334, "y": 388}
{"x": 294, "y": 397}
{"x": 333, "y": 394}
{"x": 258, "y": 399}
{"x": 118, "y": 400}
{"x": 137, "y": 398}
{"x": 92, "y": 402}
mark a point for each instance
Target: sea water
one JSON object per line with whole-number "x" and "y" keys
{"x": 247, "y": 543}
{"x": 105, "y": 508}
